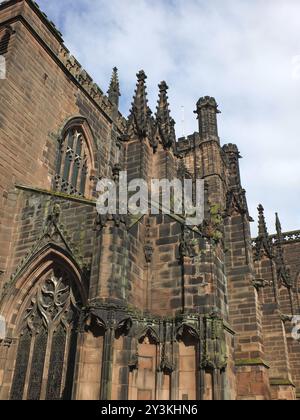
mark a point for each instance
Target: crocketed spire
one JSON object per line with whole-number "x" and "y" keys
{"x": 164, "y": 123}
{"x": 278, "y": 227}
{"x": 262, "y": 226}
{"x": 263, "y": 243}
{"x": 283, "y": 273}
{"x": 114, "y": 88}
{"x": 140, "y": 120}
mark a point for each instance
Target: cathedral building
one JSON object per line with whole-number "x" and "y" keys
{"x": 118, "y": 307}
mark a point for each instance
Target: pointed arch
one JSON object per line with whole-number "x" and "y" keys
{"x": 43, "y": 314}
{"x": 28, "y": 276}
{"x": 188, "y": 349}
{"x": 76, "y": 162}
{"x": 5, "y": 36}
{"x": 186, "y": 330}
{"x": 150, "y": 333}
{"x": 143, "y": 379}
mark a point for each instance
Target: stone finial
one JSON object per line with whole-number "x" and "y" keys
{"x": 114, "y": 88}
{"x": 278, "y": 226}
{"x": 164, "y": 123}
{"x": 262, "y": 226}
{"x": 283, "y": 273}
{"x": 140, "y": 120}
{"x": 263, "y": 244}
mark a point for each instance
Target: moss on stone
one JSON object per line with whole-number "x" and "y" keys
{"x": 281, "y": 382}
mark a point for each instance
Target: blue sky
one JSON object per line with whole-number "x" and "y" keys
{"x": 245, "y": 53}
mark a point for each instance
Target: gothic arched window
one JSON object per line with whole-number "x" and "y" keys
{"x": 5, "y": 35}
{"x": 74, "y": 162}
{"x": 47, "y": 340}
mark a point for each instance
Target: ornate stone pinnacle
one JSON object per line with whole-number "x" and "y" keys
{"x": 208, "y": 102}
{"x": 163, "y": 87}
{"x": 114, "y": 88}
{"x": 164, "y": 122}
{"x": 278, "y": 226}
{"x": 141, "y": 76}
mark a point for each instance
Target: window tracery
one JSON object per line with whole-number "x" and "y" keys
{"x": 48, "y": 331}
{"x": 72, "y": 167}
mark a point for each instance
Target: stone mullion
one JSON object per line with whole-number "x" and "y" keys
{"x": 65, "y": 364}
{"x": 29, "y": 367}
{"x": 83, "y": 176}
{"x": 71, "y": 187}
{"x": 60, "y": 159}
{"x": 69, "y": 156}
{"x": 60, "y": 163}
{"x": 66, "y": 171}
{"x": 46, "y": 366}
{"x": 77, "y": 162}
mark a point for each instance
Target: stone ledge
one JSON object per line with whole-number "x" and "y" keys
{"x": 57, "y": 194}
{"x": 228, "y": 328}
{"x": 251, "y": 362}
{"x": 281, "y": 382}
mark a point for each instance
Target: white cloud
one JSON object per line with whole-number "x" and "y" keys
{"x": 241, "y": 52}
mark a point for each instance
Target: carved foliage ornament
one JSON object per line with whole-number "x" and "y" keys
{"x": 53, "y": 303}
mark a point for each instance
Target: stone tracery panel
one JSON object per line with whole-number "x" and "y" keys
{"x": 46, "y": 332}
